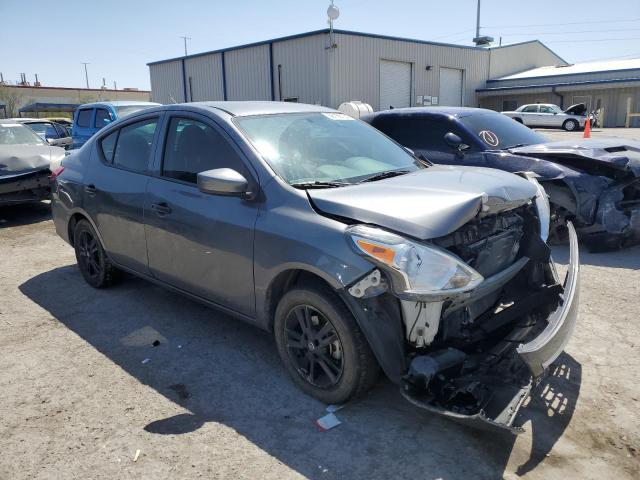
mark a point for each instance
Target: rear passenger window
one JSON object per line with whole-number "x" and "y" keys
{"x": 108, "y": 146}
{"x": 193, "y": 147}
{"x": 133, "y": 147}
{"x": 84, "y": 118}
{"x": 103, "y": 117}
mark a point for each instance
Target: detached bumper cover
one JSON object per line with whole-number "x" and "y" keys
{"x": 537, "y": 355}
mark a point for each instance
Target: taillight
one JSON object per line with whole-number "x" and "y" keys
{"x": 56, "y": 173}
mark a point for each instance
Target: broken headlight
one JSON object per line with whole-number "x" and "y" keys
{"x": 416, "y": 270}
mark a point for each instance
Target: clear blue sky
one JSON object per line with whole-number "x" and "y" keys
{"x": 119, "y": 37}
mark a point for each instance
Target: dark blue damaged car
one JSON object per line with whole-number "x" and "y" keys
{"x": 355, "y": 254}
{"x": 593, "y": 183}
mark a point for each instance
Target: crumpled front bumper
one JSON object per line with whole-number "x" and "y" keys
{"x": 538, "y": 354}
{"x": 25, "y": 187}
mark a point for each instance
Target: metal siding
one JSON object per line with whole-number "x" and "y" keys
{"x": 355, "y": 63}
{"x": 166, "y": 82}
{"x": 247, "y": 72}
{"x": 512, "y": 59}
{"x": 305, "y": 69}
{"x": 206, "y": 77}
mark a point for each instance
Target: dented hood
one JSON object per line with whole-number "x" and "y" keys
{"x": 617, "y": 153}
{"x": 19, "y": 159}
{"x": 429, "y": 203}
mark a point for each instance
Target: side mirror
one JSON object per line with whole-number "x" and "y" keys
{"x": 223, "y": 181}
{"x": 455, "y": 142}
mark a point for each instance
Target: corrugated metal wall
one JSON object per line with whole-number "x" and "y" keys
{"x": 512, "y": 59}
{"x": 304, "y": 71}
{"x": 166, "y": 82}
{"x": 247, "y": 72}
{"x": 205, "y": 73}
{"x": 355, "y": 68}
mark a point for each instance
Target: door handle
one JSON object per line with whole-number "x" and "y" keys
{"x": 161, "y": 208}
{"x": 91, "y": 189}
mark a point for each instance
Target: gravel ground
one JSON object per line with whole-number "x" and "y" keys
{"x": 79, "y": 401}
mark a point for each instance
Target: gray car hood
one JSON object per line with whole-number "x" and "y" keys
{"x": 429, "y": 203}
{"x": 20, "y": 159}
{"x": 618, "y": 153}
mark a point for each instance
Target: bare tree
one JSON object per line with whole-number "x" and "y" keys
{"x": 12, "y": 98}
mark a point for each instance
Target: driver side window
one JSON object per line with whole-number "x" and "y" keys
{"x": 193, "y": 147}
{"x": 530, "y": 109}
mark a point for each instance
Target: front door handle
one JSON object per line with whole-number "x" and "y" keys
{"x": 161, "y": 208}
{"x": 91, "y": 189}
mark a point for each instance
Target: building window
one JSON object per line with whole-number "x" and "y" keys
{"x": 509, "y": 105}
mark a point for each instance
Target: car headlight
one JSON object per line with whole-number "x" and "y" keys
{"x": 542, "y": 204}
{"x": 416, "y": 270}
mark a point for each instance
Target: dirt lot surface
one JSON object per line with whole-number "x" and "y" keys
{"x": 80, "y": 399}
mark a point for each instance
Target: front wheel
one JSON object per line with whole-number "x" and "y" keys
{"x": 94, "y": 265}
{"x": 322, "y": 347}
{"x": 570, "y": 125}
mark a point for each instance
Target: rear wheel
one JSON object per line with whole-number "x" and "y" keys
{"x": 322, "y": 347}
{"x": 95, "y": 266}
{"x": 570, "y": 125}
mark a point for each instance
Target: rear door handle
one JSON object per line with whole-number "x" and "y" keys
{"x": 91, "y": 189}
{"x": 161, "y": 208}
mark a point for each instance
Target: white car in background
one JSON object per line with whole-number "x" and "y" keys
{"x": 550, "y": 115}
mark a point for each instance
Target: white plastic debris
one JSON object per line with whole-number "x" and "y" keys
{"x": 327, "y": 422}
{"x": 146, "y": 360}
{"x": 135, "y": 458}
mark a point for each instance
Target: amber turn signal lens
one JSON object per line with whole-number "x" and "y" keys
{"x": 382, "y": 253}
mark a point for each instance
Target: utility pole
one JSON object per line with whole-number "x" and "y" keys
{"x": 478, "y": 21}
{"x": 185, "y": 38}
{"x": 86, "y": 75}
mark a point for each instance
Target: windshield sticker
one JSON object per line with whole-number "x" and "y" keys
{"x": 338, "y": 116}
{"x": 489, "y": 138}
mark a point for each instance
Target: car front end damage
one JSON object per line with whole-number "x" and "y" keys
{"x": 467, "y": 323}
{"x": 25, "y": 187}
{"x": 599, "y": 190}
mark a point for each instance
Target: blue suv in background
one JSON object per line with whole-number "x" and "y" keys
{"x": 91, "y": 117}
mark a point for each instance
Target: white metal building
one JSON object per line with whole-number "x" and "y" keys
{"x": 328, "y": 69}
{"x": 613, "y": 86}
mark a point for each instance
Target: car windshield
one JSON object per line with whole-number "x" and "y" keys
{"x": 327, "y": 149}
{"x": 17, "y": 134}
{"x": 498, "y": 131}
{"x": 125, "y": 110}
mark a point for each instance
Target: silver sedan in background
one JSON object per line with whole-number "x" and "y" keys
{"x": 550, "y": 115}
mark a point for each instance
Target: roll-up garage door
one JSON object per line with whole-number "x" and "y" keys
{"x": 450, "y": 87}
{"x": 395, "y": 84}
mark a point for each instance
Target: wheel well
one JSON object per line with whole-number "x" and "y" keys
{"x": 73, "y": 221}
{"x": 284, "y": 282}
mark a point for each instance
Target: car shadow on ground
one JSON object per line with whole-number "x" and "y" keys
{"x": 24, "y": 214}
{"x": 625, "y": 258}
{"x": 222, "y": 370}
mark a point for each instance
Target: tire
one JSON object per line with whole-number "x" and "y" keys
{"x": 570, "y": 125}
{"x": 358, "y": 369}
{"x": 94, "y": 265}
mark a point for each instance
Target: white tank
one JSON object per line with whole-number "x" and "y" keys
{"x": 355, "y": 108}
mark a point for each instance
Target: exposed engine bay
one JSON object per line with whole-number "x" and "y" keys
{"x": 464, "y": 354}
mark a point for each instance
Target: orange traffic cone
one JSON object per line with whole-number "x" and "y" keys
{"x": 587, "y": 128}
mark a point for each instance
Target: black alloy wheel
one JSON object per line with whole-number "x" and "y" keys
{"x": 313, "y": 346}
{"x": 93, "y": 262}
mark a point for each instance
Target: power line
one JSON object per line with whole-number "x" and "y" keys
{"x": 594, "y": 40}
{"x": 562, "y": 24}
{"x": 574, "y": 31}
{"x": 456, "y": 33}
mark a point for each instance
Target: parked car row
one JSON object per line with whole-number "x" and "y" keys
{"x": 357, "y": 254}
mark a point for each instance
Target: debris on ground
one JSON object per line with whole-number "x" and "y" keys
{"x": 334, "y": 408}
{"x": 135, "y": 457}
{"x": 156, "y": 343}
{"x": 327, "y": 422}
{"x": 146, "y": 360}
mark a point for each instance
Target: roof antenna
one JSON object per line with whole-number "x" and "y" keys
{"x": 481, "y": 41}
{"x": 333, "y": 13}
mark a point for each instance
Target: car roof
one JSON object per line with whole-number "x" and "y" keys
{"x": 240, "y": 109}
{"x": 26, "y": 120}
{"x": 457, "y": 112}
{"x": 118, "y": 103}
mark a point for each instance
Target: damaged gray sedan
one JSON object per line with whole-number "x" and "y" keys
{"x": 26, "y": 163}
{"x": 354, "y": 253}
